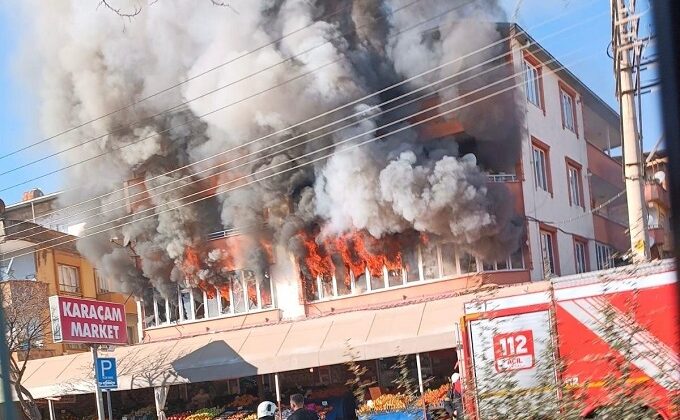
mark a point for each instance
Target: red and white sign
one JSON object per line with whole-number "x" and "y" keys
{"x": 514, "y": 351}
{"x": 87, "y": 321}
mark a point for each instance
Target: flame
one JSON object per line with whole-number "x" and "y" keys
{"x": 317, "y": 261}
{"x": 358, "y": 250}
{"x": 190, "y": 265}
{"x": 208, "y": 288}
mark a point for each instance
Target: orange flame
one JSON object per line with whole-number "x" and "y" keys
{"x": 358, "y": 251}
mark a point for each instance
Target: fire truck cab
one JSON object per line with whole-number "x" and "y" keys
{"x": 586, "y": 343}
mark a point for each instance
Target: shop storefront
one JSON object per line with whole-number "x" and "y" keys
{"x": 225, "y": 374}
{"x": 325, "y": 389}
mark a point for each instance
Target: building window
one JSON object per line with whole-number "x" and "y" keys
{"x": 532, "y": 80}
{"x": 20, "y": 267}
{"x": 580, "y": 255}
{"x": 102, "y": 282}
{"x": 575, "y": 184}
{"x": 548, "y": 253}
{"x": 69, "y": 279}
{"x": 513, "y": 262}
{"x": 541, "y": 167}
{"x": 604, "y": 256}
{"x": 568, "y": 105}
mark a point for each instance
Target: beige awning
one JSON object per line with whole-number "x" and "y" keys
{"x": 286, "y": 346}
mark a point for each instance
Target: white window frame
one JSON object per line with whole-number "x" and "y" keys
{"x": 68, "y": 287}
{"x": 574, "y": 181}
{"x": 548, "y": 246}
{"x": 102, "y": 282}
{"x": 580, "y": 256}
{"x": 604, "y": 256}
{"x": 532, "y": 76}
{"x": 540, "y": 164}
{"x": 568, "y": 107}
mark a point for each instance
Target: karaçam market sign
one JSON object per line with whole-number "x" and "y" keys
{"x": 87, "y": 321}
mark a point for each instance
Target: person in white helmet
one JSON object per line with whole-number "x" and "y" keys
{"x": 266, "y": 410}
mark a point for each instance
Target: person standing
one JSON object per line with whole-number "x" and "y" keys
{"x": 454, "y": 398}
{"x": 297, "y": 406}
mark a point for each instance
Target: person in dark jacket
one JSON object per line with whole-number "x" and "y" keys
{"x": 297, "y": 405}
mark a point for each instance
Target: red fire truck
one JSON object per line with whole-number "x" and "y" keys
{"x": 591, "y": 337}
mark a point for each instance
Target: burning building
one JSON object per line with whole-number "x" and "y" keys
{"x": 345, "y": 172}
{"x": 344, "y": 194}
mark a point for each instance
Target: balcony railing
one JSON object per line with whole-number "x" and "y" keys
{"x": 503, "y": 178}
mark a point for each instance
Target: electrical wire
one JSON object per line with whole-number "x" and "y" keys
{"x": 256, "y": 180}
{"x": 176, "y": 85}
{"x": 303, "y": 122}
{"x": 146, "y": 196}
{"x": 198, "y": 118}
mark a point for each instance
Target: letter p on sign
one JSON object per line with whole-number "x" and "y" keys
{"x": 106, "y": 373}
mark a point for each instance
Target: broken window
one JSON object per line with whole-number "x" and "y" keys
{"x": 225, "y": 298}
{"x": 251, "y": 289}
{"x": 266, "y": 291}
{"x": 238, "y": 293}
{"x": 468, "y": 263}
{"x": 448, "y": 252}
{"x": 343, "y": 281}
{"x": 185, "y": 312}
{"x": 411, "y": 264}
{"x": 377, "y": 281}
{"x": 395, "y": 277}
{"x": 211, "y": 307}
{"x": 325, "y": 284}
{"x": 173, "y": 304}
{"x": 360, "y": 284}
{"x": 161, "y": 310}
{"x": 149, "y": 309}
{"x": 430, "y": 261}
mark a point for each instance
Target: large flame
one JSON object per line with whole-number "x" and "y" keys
{"x": 358, "y": 251}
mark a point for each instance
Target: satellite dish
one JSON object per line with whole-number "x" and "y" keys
{"x": 660, "y": 177}
{"x": 2, "y": 207}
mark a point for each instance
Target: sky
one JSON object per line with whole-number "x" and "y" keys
{"x": 588, "y": 39}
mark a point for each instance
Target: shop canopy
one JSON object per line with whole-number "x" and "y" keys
{"x": 285, "y": 346}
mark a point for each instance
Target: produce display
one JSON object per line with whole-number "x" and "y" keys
{"x": 243, "y": 401}
{"x": 434, "y": 396}
{"x": 241, "y": 415}
{"x": 205, "y": 414}
{"x": 385, "y": 403}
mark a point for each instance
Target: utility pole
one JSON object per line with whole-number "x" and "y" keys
{"x": 627, "y": 50}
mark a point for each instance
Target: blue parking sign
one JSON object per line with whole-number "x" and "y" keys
{"x": 107, "y": 377}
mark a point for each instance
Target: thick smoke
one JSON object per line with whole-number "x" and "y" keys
{"x": 404, "y": 183}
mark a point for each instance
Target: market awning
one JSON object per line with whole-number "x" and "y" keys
{"x": 286, "y": 346}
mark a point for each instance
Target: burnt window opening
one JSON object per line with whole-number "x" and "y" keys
{"x": 239, "y": 292}
{"x": 422, "y": 263}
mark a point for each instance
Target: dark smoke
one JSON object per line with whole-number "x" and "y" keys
{"x": 395, "y": 188}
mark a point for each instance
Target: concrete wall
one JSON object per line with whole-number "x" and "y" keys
{"x": 553, "y": 208}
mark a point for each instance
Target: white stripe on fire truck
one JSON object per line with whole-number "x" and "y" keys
{"x": 653, "y": 343}
{"x": 664, "y": 367}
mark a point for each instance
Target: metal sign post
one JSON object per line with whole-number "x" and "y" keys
{"x": 108, "y": 401}
{"x": 100, "y": 403}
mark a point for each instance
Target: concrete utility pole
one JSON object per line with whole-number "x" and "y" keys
{"x": 627, "y": 49}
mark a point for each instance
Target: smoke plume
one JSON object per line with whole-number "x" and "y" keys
{"x": 407, "y": 183}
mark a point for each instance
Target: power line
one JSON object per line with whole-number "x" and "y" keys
{"x": 205, "y": 94}
{"x": 176, "y": 85}
{"x": 145, "y": 195}
{"x": 198, "y": 118}
{"x": 317, "y": 159}
{"x": 316, "y": 117}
